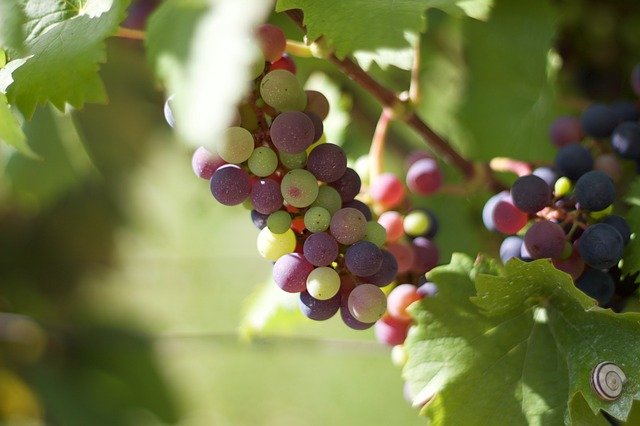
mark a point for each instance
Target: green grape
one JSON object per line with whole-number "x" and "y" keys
{"x": 399, "y": 356}
{"x": 278, "y": 222}
{"x": 263, "y": 161}
{"x": 236, "y": 145}
{"x": 329, "y": 199}
{"x": 376, "y": 233}
{"x": 247, "y": 204}
{"x": 416, "y": 223}
{"x": 317, "y": 219}
{"x": 257, "y": 66}
{"x": 3, "y": 58}
{"x": 293, "y": 161}
{"x": 323, "y": 283}
{"x": 282, "y": 90}
{"x": 299, "y": 188}
{"x": 562, "y": 187}
{"x": 271, "y": 246}
{"x": 323, "y": 139}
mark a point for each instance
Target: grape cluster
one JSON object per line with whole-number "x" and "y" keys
{"x": 325, "y": 244}
{"x": 565, "y": 212}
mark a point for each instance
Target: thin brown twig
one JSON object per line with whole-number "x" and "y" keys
{"x": 390, "y": 100}
{"x": 130, "y": 33}
{"x": 376, "y": 151}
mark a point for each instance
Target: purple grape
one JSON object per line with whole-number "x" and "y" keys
{"x": 595, "y": 191}
{"x": 599, "y": 120}
{"x": 626, "y": 140}
{"x": 387, "y": 272}
{"x": 427, "y": 289}
{"x": 348, "y": 226}
{"x": 205, "y": 163}
{"x": 327, "y": 162}
{"x": 424, "y": 177}
{"x": 292, "y": 132}
{"x": 230, "y": 185}
{"x": 489, "y": 208}
{"x": 530, "y": 194}
{"x": 266, "y": 197}
{"x": 317, "y": 125}
{"x": 318, "y": 310}
{"x": 259, "y": 219}
{"x": 348, "y": 186}
{"x": 363, "y": 258}
{"x": 621, "y": 226}
{"x": 573, "y": 161}
{"x": 350, "y": 320}
{"x": 290, "y": 272}
{"x": 511, "y": 247}
{"x": 601, "y": 246}
{"x": 359, "y": 205}
{"x": 320, "y": 249}
{"x": 565, "y": 130}
{"x": 547, "y": 174}
{"x": 426, "y": 255}
{"x": 625, "y": 111}
{"x": 596, "y": 284}
{"x": 635, "y": 79}
{"x": 545, "y": 239}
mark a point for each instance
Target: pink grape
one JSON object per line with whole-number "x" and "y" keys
{"x": 387, "y": 190}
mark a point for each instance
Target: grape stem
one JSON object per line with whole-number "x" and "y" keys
{"x": 376, "y": 151}
{"x": 390, "y": 100}
{"x": 414, "y": 86}
{"x": 130, "y": 33}
{"x": 298, "y": 49}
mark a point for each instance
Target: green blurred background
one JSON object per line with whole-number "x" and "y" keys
{"x": 124, "y": 285}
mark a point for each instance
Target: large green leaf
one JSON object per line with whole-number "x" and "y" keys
{"x": 523, "y": 349}
{"x": 12, "y": 18}
{"x": 64, "y": 45}
{"x": 509, "y": 99}
{"x": 10, "y": 130}
{"x": 347, "y": 25}
{"x": 631, "y": 260}
{"x": 201, "y": 51}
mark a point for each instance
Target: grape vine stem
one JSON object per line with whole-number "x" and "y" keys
{"x": 376, "y": 151}
{"x": 130, "y": 33}
{"x": 390, "y": 100}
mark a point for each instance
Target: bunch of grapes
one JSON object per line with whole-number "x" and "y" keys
{"x": 565, "y": 212}
{"x": 325, "y": 244}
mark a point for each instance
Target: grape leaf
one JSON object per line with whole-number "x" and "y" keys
{"x": 524, "y": 347}
{"x": 10, "y": 130}
{"x": 509, "y": 78}
{"x": 347, "y": 26}
{"x": 63, "y": 46}
{"x": 13, "y": 17}
{"x": 631, "y": 259}
{"x": 202, "y": 52}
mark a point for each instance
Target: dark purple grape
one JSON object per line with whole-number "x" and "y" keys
{"x": 259, "y": 219}
{"x": 320, "y": 249}
{"x": 530, "y": 194}
{"x": 626, "y": 140}
{"x": 292, "y": 132}
{"x": 511, "y": 247}
{"x": 359, "y": 205}
{"x": 317, "y": 103}
{"x": 266, "y": 196}
{"x": 327, "y": 162}
{"x": 573, "y": 161}
{"x": 350, "y": 321}
{"x": 230, "y": 185}
{"x": 318, "y": 310}
{"x": 565, "y": 130}
{"x": 317, "y": 125}
{"x": 595, "y": 191}
{"x": 596, "y": 284}
{"x": 348, "y": 226}
{"x": 290, "y": 272}
{"x": 424, "y": 177}
{"x": 426, "y": 255}
{"x": 387, "y": 272}
{"x": 363, "y": 258}
{"x": 601, "y": 246}
{"x": 348, "y": 186}
{"x": 547, "y": 174}
{"x": 599, "y": 120}
{"x": 626, "y": 111}
{"x": 545, "y": 239}
{"x": 621, "y": 226}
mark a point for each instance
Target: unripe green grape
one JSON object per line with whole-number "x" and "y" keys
{"x": 317, "y": 219}
{"x": 329, "y": 199}
{"x": 236, "y": 145}
{"x": 323, "y": 283}
{"x": 248, "y": 117}
{"x": 293, "y": 161}
{"x": 279, "y": 222}
{"x": 399, "y": 356}
{"x": 263, "y": 161}
{"x": 375, "y": 233}
{"x": 602, "y": 213}
{"x": 323, "y": 139}
{"x": 247, "y": 204}
{"x": 416, "y": 223}
{"x": 257, "y": 66}
{"x": 271, "y": 246}
{"x": 562, "y": 187}
{"x": 299, "y": 188}
{"x": 281, "y": 90}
